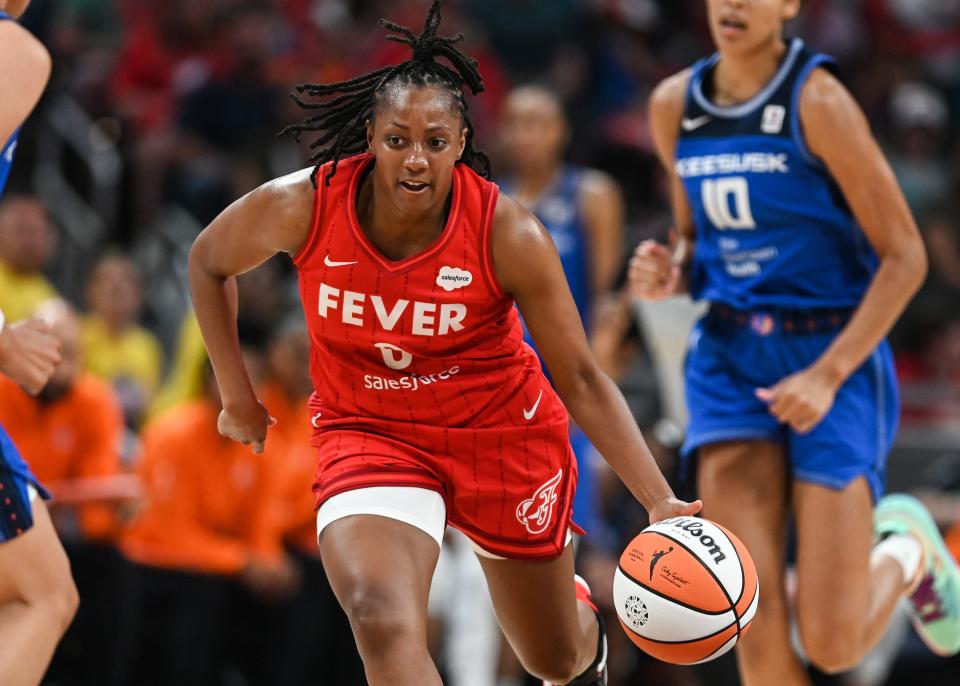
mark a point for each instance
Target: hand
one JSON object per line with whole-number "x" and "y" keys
{"x": 801, "y": 400}
{"x": 246, "y": 425}
{"x": 672, "y": 507}
{"x": 29, "y": 353}
{"x": 653, "y": 274}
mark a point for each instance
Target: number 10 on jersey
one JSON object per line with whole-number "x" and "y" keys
{"x": 727, "y": 203}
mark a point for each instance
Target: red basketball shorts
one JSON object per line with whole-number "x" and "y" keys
{"x": 508, "y": 489}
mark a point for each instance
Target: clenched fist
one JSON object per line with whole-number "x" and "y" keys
{"x": 29, "y": 353}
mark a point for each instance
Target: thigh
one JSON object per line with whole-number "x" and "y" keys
{"x": 379, "y": 565}
{"x": 834, "y": 539}
{"x": 34, "y": 563}
{"x": 536, "y": 605}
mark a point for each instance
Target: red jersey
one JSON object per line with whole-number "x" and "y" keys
{"x": 422, "y": 378}
{"x": 431, "y": 339}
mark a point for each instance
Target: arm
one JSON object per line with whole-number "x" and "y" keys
{"x": 273, "y": 218}
{"x": 527, "y": 266}
{"x": 24, "y": 71}
{"x": 602, "y": 206}
{"x": 658, "y": 272}
{"x": 838, "y": 134}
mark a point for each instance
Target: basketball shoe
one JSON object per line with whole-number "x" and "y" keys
{"x": 596, "y": 673}
{"x": 935, "y": 598}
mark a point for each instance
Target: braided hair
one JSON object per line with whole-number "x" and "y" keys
{"x": 346, "y": 107}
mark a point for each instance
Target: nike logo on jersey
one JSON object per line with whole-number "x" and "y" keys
{"x": 330, "y": 263}
{"x": 528, "y": 414}
{"x": 688, "y": 124}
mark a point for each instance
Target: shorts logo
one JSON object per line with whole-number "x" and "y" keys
{"x": 536, "y": 512}
{"x": 394, "y": 357}
{"x": 452, "y": 278}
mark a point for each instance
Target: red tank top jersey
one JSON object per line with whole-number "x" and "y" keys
{"x": 428, "y": 340}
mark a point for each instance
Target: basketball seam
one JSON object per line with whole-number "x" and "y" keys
{"x": 675, "y": 600}
{"x": 743, "y": 573}
{"x": 703, "y": 564}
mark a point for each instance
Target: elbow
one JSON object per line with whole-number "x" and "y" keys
{"x": 916, "y": 264}
{"x": 582, "y": 384}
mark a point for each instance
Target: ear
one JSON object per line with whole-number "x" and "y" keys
{"x": 463, "y": 142}
{"x": 791, "y": 9}
{"x": 369, "y": 125}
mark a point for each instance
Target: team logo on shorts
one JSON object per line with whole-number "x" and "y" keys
{"x": 536, "y": 512}
{"x": 394, "y": 357}
{"x": 452, "y": 278}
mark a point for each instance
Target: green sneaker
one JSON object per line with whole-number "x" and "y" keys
{"x": 935, "y": 602}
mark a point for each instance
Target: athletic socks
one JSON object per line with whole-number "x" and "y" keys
{"x": 903, "y": 548}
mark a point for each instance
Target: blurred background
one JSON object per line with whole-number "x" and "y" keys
{"x": 196, "y": 561}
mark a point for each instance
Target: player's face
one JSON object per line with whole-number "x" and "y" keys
{"x": 745, "y": 25}
{"x": 534, "y": 129}
{"x": 417, "y": 137}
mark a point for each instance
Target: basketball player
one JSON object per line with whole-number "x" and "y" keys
{"x": 37, "y": 595}
{"x": 582, "y": 209}
{"x": 428, "y": 407}
{"x": 807, "y": 252}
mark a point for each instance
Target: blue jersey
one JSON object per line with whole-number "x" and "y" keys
{"x": 10, "y": 146}
{"x": 773, "y": 229}
{"x": 559, "y": 211}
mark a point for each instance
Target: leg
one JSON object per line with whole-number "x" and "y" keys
{"x": 842, "y": 618}
{"x": 37, "y": 600}
{"x": 744, "y": 486}
{"x": 380, "y": 571}
{"x": 554, "y": 636}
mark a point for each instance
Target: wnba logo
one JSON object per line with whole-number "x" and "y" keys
{"x": 536, "y": 512}
{"x": 394, "y": 357}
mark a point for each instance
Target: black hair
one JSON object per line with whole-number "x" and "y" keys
{"x": 347, "y": 106}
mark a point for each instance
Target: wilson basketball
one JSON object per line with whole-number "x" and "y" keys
{"x": 686, "y": 590}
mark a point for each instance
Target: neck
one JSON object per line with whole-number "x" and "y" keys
{"x": 740, "y": 76}
{"x": 396, "y": 234}
{"x": 533, "y": 181}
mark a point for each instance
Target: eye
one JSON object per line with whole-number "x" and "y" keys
{"x": 394, "y": 140}
{"x": 438, "y": 143}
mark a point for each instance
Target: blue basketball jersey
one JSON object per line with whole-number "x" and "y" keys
{"x": 6, "y": 152}
{"x": 773, "y": 229}
{"x": 559, "y": 211}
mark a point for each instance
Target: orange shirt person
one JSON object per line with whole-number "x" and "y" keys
{"x": 206, "y": 498}
{"x": 71, "y": 430}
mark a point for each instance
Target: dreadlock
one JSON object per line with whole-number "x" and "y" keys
{"x": 345, "y": 107}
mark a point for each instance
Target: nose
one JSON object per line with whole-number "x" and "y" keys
{"x": 416, "y": 161}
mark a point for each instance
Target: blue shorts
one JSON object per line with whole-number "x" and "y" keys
{"x": 729, "y": 358}
{"x": 16, "y": 512}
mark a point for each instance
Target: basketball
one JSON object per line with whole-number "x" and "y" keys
{"x": 685, "y": 590}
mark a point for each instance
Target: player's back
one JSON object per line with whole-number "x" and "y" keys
{"x": 773, "y": 229}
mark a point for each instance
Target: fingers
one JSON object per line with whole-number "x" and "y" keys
{"x": 652, "y": 272}
{"x": 796, "y": 411}
{"x": 258, "y": 447}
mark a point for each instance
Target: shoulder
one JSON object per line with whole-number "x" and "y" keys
{"x": 289, "y": 196}
{"x": 596, "y": 185}
{"x": 25, "y": 51}
{"x": 669, "y": 97}
{"x": 515, "y": 225}
{"x": 823, "y": 96}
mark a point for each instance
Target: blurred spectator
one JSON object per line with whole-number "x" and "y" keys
{"x": 27, "y": 243}
{"x": 70, "y": 436}
{"x": 116, "y": 348}
{"x": 206, "y": 530}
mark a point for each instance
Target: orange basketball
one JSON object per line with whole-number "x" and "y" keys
{"x": 686, "y": 590}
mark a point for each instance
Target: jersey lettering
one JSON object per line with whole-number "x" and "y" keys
{"x": 717, "y": 196}
{"x": 428, "y": 319}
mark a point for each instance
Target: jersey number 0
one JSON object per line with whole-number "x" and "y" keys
{"x": 727, "y": 203}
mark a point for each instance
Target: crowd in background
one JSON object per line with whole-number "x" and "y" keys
{"x": 192, "y": 555}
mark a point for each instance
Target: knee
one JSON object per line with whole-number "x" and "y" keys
{"x": 556, "y": 667}
{"x": 830, "y": 646}
{"x": 381, "y": 620}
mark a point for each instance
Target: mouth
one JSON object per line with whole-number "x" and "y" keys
{"x": 415, "y": 186}
{"x": 732, "y": 26}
